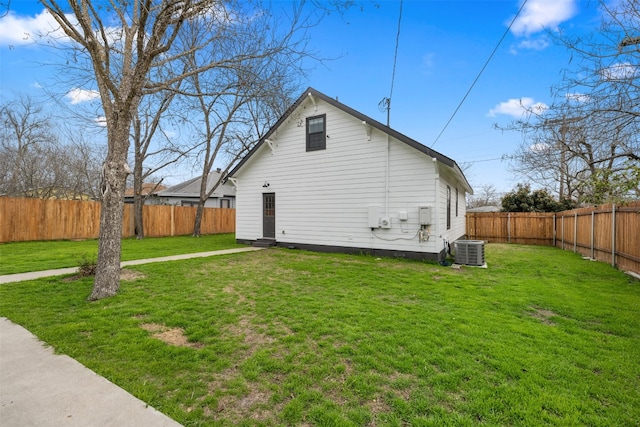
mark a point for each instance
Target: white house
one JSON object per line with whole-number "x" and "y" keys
{"x": 328, "y": 178}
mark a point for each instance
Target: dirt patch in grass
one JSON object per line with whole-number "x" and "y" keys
{"x": 253, "y": 405}
{"x": 230, "y": 289}
{"x": 378, "y": 406}
{"x": 125, "y": 274}
{"x": 171, "y": 336}
{"x": 130, "y": 275}
{"x": 254, "y": 402}
{"x": 543, "y": 315}
{"x": 252, "y": 337}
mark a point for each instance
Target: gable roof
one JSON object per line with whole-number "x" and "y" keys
{"x": 191, "y": 188}
{"x": 310, "y": 92}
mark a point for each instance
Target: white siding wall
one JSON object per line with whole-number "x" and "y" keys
{"x": 458, "y": 223}
{"x": 322, "y": 197}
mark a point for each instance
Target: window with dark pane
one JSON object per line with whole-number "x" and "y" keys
{"x": 316, "y": 133}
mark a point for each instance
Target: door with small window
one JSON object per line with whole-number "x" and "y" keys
{"x": 269, "y": 215}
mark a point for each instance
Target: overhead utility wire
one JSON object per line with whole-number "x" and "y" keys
{"x": 479, "y": 74}
{"x": 385, "y": 104}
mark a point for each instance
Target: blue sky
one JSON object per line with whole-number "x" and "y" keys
{"x": 442, "y": 47}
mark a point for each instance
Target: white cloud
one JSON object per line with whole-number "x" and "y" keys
{"x": 518, "y": 107}
{"x": 578, "y": 97}
{"x": 77, "y": 95}
{"x": 539, "y": 15}
{"x": 619, "y": 71}
{"x": 539, "y": 43}
{"x": 23, "y": 30}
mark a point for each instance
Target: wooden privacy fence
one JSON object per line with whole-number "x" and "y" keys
{"x": 50, "y": 219}
{"x": 608, "y": 233}
{"x": 526, "y": 228}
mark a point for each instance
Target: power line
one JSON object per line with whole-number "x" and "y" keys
{"x": 395, "y": 54}
{"x": 385, "y": 104}
{"x": 480, "y": 73}
{"x": 484, "y": 160}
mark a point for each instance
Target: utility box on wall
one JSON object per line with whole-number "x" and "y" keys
{"x": 376, "y": 220}
{"x": 374, "y": 216}
{"x": 424, "y": 215}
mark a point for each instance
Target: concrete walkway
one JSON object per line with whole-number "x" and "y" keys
{"x": 40, "y": 388}
{"x": 20, "y": 277}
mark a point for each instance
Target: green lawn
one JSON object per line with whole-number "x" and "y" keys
{"x": 23, "y": 257}
{"x": 283, "y": 337}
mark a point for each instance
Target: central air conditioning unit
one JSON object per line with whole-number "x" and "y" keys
{"x": 470, "y": 252}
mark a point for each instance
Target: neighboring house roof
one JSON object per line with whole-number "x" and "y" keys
{"x": 191, "y": 188}
{"x": 310, "y": 92}
{"x": 485, "y": 209}
{"x": 147, "y": 188}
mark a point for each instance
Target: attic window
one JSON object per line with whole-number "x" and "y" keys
{"x": 316, "y": 133}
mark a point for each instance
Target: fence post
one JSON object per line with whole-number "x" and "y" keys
{"x": 555, "y": 227}
{"x": 613, "y": 235}
{"x": 563, "y": 232}
{"x": 575, "y": 232}
{"x": 509, "y": 227}
{"x": 593, "y": 214}
{"x": 173, "y": 220}
{"x": 132, "y": 221}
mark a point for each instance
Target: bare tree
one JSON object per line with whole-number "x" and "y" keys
{"x": 39, "y": 159}
{"x": 153, "y": 149}
{"x": 25, "y": 143}
{"x": 235, "y": 106}
{"x": 239, "y": 121}
{"x": 134, "y": 48}
{"x": 581, "y": 159}
{"x": 586, "y": 146}
{"x": 84, "y": 160}
{"x": 485, "y": 195}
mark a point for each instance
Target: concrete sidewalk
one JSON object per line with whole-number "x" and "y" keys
{"x": 20, "y": 277}
{"x": 40, "y": 388}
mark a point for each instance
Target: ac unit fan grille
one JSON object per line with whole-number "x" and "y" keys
{"x": 470, "y": 252}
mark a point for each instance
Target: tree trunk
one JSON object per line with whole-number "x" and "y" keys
{"x": 203, "y": 198}
{"x": 115, "y": 171}
{"x": 138, "y": 206}
{"x": 138, "y": 199}
{"x": 197, "y": 226}
{"x": 107, "y": 280}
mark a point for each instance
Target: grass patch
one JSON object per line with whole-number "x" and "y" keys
{"x": 283, "y": 337}
{"x": 22, "y": 257}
